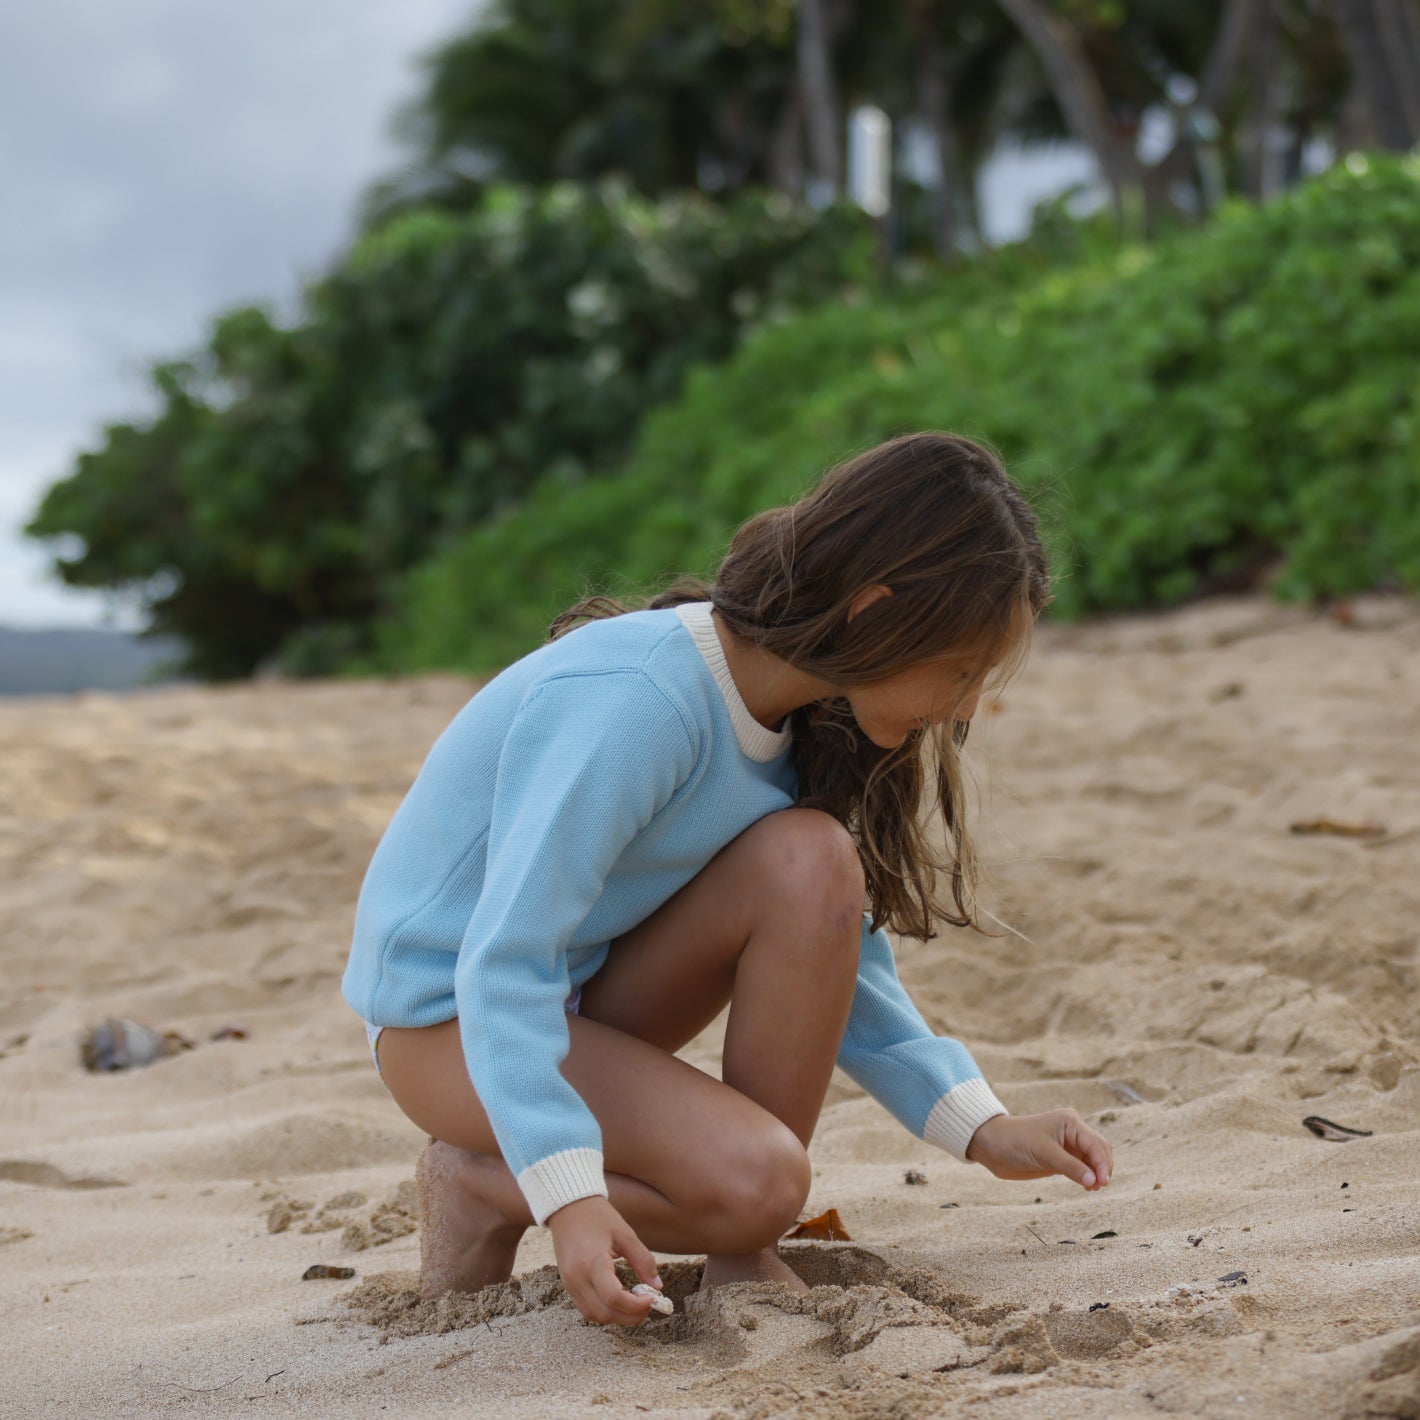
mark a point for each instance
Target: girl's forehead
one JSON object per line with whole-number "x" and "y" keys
{"x": 946, "y": 675}
{"x": 1011, "y": 643}
{"x": 1004, "y": 652}
{"x": 993, "y": 649}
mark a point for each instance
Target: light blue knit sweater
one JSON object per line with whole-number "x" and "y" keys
{"x": 574, "y": 794}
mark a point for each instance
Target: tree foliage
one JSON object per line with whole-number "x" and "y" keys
{"x": 667, "y": 97}
{"x": 1235, "y": 403}
{"x": 445, "y": 367}
{"x": 587, "y": 214}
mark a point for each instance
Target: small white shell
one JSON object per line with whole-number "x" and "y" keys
{"x": 662, "y": 1306}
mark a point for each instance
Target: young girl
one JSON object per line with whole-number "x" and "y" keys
{"x": 663, "y": 811}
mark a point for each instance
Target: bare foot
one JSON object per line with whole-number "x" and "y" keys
{"x": 763, "y": 1266}
{"x": 465, "y": 1242}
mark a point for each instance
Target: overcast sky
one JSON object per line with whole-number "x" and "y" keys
{"x": 162, "y": 160}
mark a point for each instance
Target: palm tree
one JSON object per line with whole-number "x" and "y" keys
{"x": 668, "y": 96}
{"x": 1382, "y": 42}
{"x": 1078, "y": 91}
{"x": 823, "y": 115}
{"x": 725, "y": 93}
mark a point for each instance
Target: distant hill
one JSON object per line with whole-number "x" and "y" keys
{"x": 56, "y": 662}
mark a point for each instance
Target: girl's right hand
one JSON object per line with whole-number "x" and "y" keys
{"x": 587, "y": 1237}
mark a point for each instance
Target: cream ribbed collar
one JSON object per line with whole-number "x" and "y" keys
{"x": 757, "y": 742}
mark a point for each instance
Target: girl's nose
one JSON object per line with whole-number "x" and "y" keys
{"x": 967, "y": 709}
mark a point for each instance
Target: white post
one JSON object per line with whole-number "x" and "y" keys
{"x": 870, "y": 160}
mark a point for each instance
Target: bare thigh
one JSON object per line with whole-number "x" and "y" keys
{"x": 771, "y": 925}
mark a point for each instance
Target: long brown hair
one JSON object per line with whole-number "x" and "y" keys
{"x": 934, "y": 518}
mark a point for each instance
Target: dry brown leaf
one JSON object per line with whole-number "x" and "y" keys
{"x": 827, "y": 1227}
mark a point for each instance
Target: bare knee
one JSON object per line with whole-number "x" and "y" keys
{"x": 809, "y": 864}
{"x": 758, "y": 1190}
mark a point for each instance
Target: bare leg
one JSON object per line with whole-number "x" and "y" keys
{"x": 724, "y": 1175}
{"x": 772, "y": 924}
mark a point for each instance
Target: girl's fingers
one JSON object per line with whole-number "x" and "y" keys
{"x": 625, "y": 1307}
{"x": 601, "y": 1298}
{"x": 1101, "y": 1158}
{"x": 1059, "y": 1160}
{"x": 629, "y": 1246}
{"x": 1092, "y": 1148}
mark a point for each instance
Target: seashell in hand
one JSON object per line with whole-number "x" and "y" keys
{"x": 662, "y": 1306}
{"x": 123, "y": 1045}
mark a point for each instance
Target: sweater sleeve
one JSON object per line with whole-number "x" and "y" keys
{"x": 588, "y": 762}
{"x": 929, "y": 1083}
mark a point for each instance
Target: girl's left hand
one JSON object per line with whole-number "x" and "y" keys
{"x": 1037, "y": 1145}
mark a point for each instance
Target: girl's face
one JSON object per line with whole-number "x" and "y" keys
{"x": 889, "y": 710}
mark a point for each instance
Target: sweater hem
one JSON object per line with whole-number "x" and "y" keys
{"x": 560, "y": 1179}
{"x": 959, "y": 1114}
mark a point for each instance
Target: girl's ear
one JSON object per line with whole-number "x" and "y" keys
{"x": 867, "y": 597}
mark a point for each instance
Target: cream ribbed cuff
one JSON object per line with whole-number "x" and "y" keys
{"x": 959, "y": 1114}
{"x": 560, "y": 1179}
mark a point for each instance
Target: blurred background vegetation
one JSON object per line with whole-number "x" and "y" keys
{"x": 616, "y": 301}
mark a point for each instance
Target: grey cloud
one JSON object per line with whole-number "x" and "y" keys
{"x": 161, "y": 160}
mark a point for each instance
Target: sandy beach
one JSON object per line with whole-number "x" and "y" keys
{"x": 1202, "y": 831}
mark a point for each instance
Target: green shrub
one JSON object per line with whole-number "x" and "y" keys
{"x": 446, "y": 366}
{"x": 1240, "y": 397}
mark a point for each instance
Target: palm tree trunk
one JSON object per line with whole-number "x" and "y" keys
{"x": 1257, "y": 138}
{"x": 1230, "y": 60}
{"x": 786, "y": 147}
{"x": 1078, "y": 91}
{"x": 932, "y": 108}
{"x": 1237, "y": 31}
{"x": 822, "y": 118}
{"x": 1400, "y": 22}
{"x": 1382, "y": 41}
